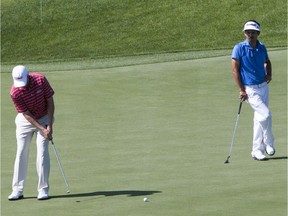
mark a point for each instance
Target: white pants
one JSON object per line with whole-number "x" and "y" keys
{"x": 24, "y": 133}
{"x": 258, "y": 99}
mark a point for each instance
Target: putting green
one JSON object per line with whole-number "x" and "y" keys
{"x": 160, "y": 131}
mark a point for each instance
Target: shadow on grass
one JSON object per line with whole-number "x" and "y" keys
{"x": 129, "y": 193}
{"x": 279, "y": 158}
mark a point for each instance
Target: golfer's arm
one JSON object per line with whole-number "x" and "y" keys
{"x": 28, "y": 115}
{"x": 50, "y": 111}
{"x": 268, "y": 68}
{"x": 236, "y": 74}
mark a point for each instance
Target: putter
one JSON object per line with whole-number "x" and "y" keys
{"x": 60, "y": 166}
{"x": 234, "y": 132}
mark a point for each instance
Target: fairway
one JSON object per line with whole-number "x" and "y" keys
{"x": 160, "y": 131}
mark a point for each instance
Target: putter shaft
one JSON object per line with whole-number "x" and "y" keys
{"x": 60, "y": 166}
{"x": 234, "y": 132}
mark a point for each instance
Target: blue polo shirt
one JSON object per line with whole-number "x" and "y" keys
{"x": 251, "y": 61}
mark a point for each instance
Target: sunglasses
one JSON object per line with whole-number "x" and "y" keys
{"x": 251, "y": 32}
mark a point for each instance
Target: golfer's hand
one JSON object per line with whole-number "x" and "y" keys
{"x": 47, "y": 133}
{"x": 243, "y": 96}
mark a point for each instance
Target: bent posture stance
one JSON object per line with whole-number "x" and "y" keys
{"x": 33, "y": 99}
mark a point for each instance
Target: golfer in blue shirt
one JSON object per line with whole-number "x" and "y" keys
{"x": 252, "y": 71}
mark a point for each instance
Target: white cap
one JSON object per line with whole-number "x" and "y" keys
{"x": 251, "y": 25}
{"x": 20, "y": 74}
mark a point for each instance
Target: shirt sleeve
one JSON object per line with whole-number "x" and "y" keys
{"x": 235, "y": 52}
{"x": 19, "y": 104}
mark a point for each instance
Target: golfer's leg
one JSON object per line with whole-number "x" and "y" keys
{"x": 24, "y": 134}
{"x": 261, "y": 113}
{"x": 264, "y": 117}
{"x": 43, "y": 163}
{"x": 257, "y": 138}
{"x": 267, "y": 126}
{"x": 268, "y": 135}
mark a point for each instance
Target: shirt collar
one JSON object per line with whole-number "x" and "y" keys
{"x": 246, "y": 42}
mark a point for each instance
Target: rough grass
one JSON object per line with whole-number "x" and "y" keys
{"x": 97, "y": 29}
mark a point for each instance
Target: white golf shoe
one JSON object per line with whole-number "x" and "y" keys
{"x": 15, "y": 195}
{"x": 270, "y": 150}
{"x": 43, "y": 195}
{"x": 258, "y": 155}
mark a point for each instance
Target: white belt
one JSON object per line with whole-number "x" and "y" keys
{"x": 258, "y": 85}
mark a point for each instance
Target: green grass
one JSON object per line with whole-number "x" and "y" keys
{"x": 132, "y": 120}
{"x": 108, "y": 28}
{"x": 160, "y": 131}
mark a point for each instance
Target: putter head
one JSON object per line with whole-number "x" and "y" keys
{"x": 227, "y": 160}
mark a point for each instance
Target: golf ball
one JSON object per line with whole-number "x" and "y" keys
{"x": 145, "y": 199}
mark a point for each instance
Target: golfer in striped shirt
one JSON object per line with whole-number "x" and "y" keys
{"x": 32, "y": 96}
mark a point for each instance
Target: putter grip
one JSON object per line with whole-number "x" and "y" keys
{"x": 240, "y": 106}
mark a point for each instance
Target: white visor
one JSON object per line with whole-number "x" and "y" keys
{"x": 251, "y": 26}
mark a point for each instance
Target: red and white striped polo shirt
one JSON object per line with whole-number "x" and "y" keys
{"x": 34, "y": 96}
